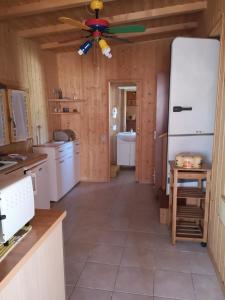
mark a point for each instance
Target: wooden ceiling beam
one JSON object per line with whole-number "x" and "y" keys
{"x": 40, "y": 7}
{"x": 148, "y": 31}
{"x": 56, "y": 45}
{"x": 160, "y": 12}
{"x": 123, "y": 18}
{"x": 44, "y": 30}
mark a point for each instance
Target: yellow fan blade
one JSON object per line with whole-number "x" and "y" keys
{"x": 74, "y": 23}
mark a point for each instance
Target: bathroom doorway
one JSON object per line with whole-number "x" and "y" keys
{"x": 124, "y": 128}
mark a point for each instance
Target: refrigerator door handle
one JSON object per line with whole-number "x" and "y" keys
{"x": 180, "y": 108}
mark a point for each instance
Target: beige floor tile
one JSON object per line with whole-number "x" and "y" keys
{"x": 90, "y": 294}
{"x": 142, "y": 225}
{"x": 175, "y": 285}
{"x": 172, "y": 260}
{"x": 135, "y": 281}
{"x": 78, "y": 251}
{"x": 157, "y": 298}
{"x": 73, "y": 270}
{"x": 98, "y": 276}
{"x": 141, "y": 239}
{"x": 117, "y": 223}
{"x": 192, "y": 247}
{"x": 115, "y": 238}
{"x": 85, "y": 235}
{"x": 207, "y": 287}
{"x": 138, "y": 257}
{"x": 201, "y": 264}
{"x": 163, "y": 242}
{"x": 123, "y": 296}
{"x": 106, "y": 254}
{"x": 103, "y": 217}
{"x": 69, "y": 290}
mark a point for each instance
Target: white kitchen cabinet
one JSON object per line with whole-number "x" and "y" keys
{"x": 40, "y": 176}
{"x": 65, "y": 174}
{"x": 77, "y": 162}
{"x": 64, "y": 167}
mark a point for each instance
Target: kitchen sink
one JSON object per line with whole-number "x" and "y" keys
{"x": 6, "y": 164}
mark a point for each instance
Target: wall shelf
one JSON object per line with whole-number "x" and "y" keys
{"x": 64, "y": 113}
{"x": 66, "y": 100}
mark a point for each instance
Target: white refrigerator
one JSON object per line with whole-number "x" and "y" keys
{"x": 192, "y": 103}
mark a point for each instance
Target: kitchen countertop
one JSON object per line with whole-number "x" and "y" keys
{"x": 32, "y": 158}
{"x": 52, "y": 144}
{"x": 42, "y": 225}
{"x": 55, "y": 144}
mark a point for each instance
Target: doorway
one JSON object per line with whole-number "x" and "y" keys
{"x": 123, "y": 127}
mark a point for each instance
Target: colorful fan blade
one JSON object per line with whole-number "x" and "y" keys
{"x": 126, "y": 29}
{"x": 74, "y": 23}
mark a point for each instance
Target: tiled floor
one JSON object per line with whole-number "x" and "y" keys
{"x": 116, "y": 249}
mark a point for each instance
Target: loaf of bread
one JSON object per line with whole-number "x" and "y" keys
{"x": 188, "y": 160}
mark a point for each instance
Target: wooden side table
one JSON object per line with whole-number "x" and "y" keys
{"x": 189, "y": 206}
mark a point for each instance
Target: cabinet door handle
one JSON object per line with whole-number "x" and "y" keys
{"x": 62, "y": 161}
{"x": 40, "y": 169}
{"x": 77, "y": 152}
{"x": 61, "y": 151}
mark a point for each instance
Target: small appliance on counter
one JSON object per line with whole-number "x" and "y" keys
{"x": 189, "y": 160}
{"x": 64, "y": 135}
{"x": 16, "y": 205}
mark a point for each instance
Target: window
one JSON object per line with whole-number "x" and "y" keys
{"x": 4, "y": 134}
{"x": 19, "y": 115}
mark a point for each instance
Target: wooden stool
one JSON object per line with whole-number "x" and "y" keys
{"x": 189, "y": 206}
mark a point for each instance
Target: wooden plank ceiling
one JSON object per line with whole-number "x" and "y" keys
{"x": 38, "y": 20}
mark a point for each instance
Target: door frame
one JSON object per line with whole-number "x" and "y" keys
{"x": 139, "y": 97}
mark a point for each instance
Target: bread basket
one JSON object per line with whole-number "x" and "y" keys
{"x": 188, "y": 160}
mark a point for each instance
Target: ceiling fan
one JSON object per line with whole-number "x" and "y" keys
{"x": 99, "y": 30}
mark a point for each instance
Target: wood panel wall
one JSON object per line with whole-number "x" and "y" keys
{"x": 116, "y": 100}
{"x": 213, "y": 22}
{"x": 52, "y": 82}
{"x": 21, "y": 66}
{"x": 88, "y": 77}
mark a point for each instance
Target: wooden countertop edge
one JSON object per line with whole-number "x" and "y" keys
{"x": 23, "y": 260}
{"x": 32, "y": 159}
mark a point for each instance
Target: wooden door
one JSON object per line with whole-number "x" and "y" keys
{"x": 162, "y": 112}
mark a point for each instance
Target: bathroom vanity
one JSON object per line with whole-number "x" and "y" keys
{"x": 126, "y": 148}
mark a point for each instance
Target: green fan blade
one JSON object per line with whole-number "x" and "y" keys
{"x": 126, "y": 29}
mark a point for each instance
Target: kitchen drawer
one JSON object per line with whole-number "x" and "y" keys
{"x": 77, "y": 148}
{"x": 77, "y": 143}
{"x": 65, "y": 149}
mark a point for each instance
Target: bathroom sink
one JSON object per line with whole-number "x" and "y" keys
{"x": 127, "y": 136}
